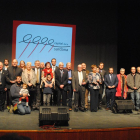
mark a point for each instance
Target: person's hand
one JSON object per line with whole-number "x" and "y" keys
{"x": 97, "y": 80}
{"x": 50, "y": 85}
{"x": 74, "y": 90}
{"x": 95, "y": 83}
{"x": 70, "y": 78}
{"x": 109, "y": 86}
{"x": 22, "y": 97}
{"x": 113, "y": 86}
{"x": 29, "y": 84}
{"x": 13, "y": 81}
{"x": 61, "y": 86}
{"x": 83, "y": 83}
{"x": 134, "y": 88}
{"x": 25, "y": 94}
{"x": 5, "y": 89}
{"x": 46, "y": 84}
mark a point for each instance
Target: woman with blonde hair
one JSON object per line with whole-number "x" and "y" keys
{"x": 22, "y": 65}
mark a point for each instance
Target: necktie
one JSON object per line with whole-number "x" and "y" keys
{"x": 37, "y": 75}
{"x": 61, "y": 73}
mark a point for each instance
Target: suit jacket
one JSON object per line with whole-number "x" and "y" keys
{"x": 75, "y": 81}
{"x": 113, "y": 81}
{"x": 130, "y": 82}
{"x": 61, "y": 81}
{"x": 103, "y": 73}
{"x": 10, "y": 75}
{"x": 3, "y": 79}
{"x": 72, "y": 72}
{"x": 40, "y": 73}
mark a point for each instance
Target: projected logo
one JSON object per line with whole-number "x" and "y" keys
{"x": 42, "y": 41}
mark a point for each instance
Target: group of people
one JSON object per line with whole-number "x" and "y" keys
{"x": 24, "y": 88}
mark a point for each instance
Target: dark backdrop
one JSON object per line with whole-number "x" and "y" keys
{"x": 103, "y": 27}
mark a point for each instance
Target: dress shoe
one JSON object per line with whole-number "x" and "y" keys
{"x": 75, "y": 110}
{"x": 107, "y": 109}
{"x": 86, "y": 109}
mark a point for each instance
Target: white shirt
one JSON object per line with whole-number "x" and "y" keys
{"x": 53, "y": 68}
{"x": 80, "y": 77}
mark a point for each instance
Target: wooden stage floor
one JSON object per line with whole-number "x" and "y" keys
{"x": 78, "y": 120}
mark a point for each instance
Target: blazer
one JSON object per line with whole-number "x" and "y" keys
{"x": 130, "y": 82}
{"x": 61, "y": 81}
{"x": 112, "y": 82}
{"x": 40, "y": 73}
{"x": 3, "y": 79}
{"x": 10, "y": 76}
{"x": 71, "y": 75}
{"x": 103, "y": 73}
{"x": 33, "y": 78}
{"x": 75, "y": 81}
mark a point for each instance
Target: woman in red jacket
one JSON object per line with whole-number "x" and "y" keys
{"x": 47, "y": 70}
{"x": 122, "y": 85}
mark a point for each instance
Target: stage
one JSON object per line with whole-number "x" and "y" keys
{"x": 78, "y": 120}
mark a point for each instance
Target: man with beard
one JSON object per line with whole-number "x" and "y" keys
{"x": 6, "y": 64}
{"x": 22, "y": 109}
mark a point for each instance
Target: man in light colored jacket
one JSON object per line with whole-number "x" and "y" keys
{"x": 133, "y": 82}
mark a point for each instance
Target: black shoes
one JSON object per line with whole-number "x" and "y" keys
{"x": 76, "y": 110}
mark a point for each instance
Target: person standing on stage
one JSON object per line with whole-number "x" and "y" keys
{"x": 111, "y": 82}
{"x": 79, "y": 81}
{"x": 102, "y": 86}
{"x": 6, "y": 64}
{"x": 38, "y": 71}
{"x": 100, "y": 90}
{"x": 54, "y": 67}
{"x": 61, "y": 83}
{"x": 94, "y": 81}
{"x": 3, "y": 88}
{"x": 12, "y": 72}
{"x": 87, "y": 89}
{"x": 70, "y": 90}
{"x": 122, "y": 85}
{"x": 133, "y": 82}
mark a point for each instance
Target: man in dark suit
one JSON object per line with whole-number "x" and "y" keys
{"x": 61, "y": 82}
{"x": 12, "y": 72}
{"x": 102, "y": 72}
{"x": 70, "y": 90}
{"x": 78, "y": 84}
{"x": 3, "y": 88}
{"x": 111, "y": 82}
{"x": 54, "y": 67}
{"x": 38, "y": 72}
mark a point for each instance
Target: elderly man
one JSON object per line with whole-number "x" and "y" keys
{"x": 87, "y": 89}
{"x": 21, "y": 108}
{"x": 12, "y": 72}
{"x": 3, "y": 88}
{"x": 42, "y": 65}
{"x": 133, "y": 82}
{"x": 78, "y": 83}
{"x": 38, "y": 71}
{"x": 70, "y": 91}
{"x": 61, "y": 82}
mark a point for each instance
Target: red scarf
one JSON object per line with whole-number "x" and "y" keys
{"x": 48, "y": 71}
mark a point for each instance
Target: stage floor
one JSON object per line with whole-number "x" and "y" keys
{"x": 78, "y": 120}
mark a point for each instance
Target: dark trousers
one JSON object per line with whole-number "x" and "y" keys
{"x": 54, "y": 97}
{"x": 80, "y": 94}
{"x": 64, "y": 97}
{"x": 100, "y": 95}
{"x": 94, "y": 93}
{"x": 2, "y": 99}
{"x": 70, "y": 94}
{"x": 110, "y": 96}
{"x": 9, "y": 98}
{"x": 38, "y": 96}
